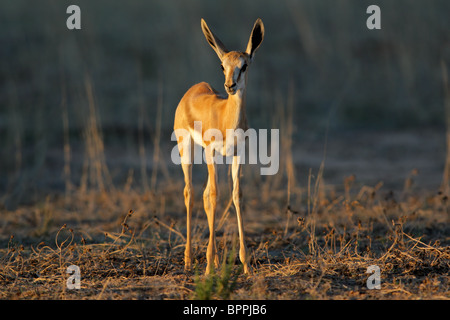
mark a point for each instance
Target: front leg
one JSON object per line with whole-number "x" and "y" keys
{"x": 210, "y": 201}
{"x": 235, "y": 169}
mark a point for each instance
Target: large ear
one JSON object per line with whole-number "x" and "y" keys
{"x": 256, "y": 38}
{"x": 213, "y": 41}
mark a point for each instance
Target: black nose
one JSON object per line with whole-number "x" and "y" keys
{"x": 231, "y": 87}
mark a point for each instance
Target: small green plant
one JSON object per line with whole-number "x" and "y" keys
{"x": 218, "y": 286}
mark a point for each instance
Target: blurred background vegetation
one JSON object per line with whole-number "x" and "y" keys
{"x": 66, "y": 96}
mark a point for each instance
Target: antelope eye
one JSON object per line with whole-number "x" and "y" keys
{"x": 221, "y": 67}
{"x": 244, "y": 67}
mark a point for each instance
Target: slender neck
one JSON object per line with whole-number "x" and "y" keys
{"x": 236, "y": 108}
{"x": 238, "y": 99}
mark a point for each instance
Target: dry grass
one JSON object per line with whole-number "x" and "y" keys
{"x": 318, "y": 253}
